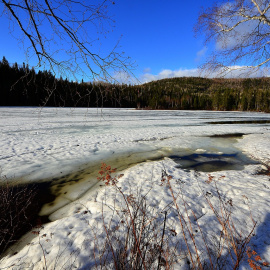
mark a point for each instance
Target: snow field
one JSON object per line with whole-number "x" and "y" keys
{"x": 47, "y": 143}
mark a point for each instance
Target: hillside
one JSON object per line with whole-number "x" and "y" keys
{"x": 21, "y": 86}
{"x": 208, "y": 94}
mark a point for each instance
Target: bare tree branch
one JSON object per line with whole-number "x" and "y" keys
{"x": 240, "y": 30}
{"x": 64, "y": 35}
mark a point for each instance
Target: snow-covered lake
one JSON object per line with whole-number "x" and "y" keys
{"x": 66, "y": 146}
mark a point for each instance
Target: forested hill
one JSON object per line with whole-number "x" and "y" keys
{"x": 208, "y": 94}
{"x": 21, "y": 86}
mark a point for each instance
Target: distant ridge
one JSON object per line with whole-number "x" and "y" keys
{"x": 21, "y": 86}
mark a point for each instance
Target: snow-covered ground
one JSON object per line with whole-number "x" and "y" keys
{"x": 49, "y": 143}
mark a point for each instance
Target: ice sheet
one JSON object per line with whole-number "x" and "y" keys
{"x": 42, "y": 142}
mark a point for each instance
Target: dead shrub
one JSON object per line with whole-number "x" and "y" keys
{"x": 140, "y": 239}
{"x": 16, "y": 212}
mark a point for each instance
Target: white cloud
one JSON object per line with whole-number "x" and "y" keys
{"x": 147, "y": 70}
{"x": 229, "y": 72}
{"x": 123, "y": 77}
{"x": 167, "y": 73}
{"x": 200, "y": 54}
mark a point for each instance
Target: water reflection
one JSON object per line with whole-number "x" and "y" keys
{"x": 212, "y": 162}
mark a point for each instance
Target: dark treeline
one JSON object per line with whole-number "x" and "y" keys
{"x": 22, "y": 86}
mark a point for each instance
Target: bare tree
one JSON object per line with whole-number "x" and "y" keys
{"x": 64, "y": 36}
{"x": 240, "y": 30}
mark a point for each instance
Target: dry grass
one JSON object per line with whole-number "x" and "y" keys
{"x": 138, "y": 240}
{"x": 141, "y": 240}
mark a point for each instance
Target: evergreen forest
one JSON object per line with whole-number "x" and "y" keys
{"x": 22, "y": 86}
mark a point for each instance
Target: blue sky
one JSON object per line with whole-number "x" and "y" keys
{"x": 157, "y": 35}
